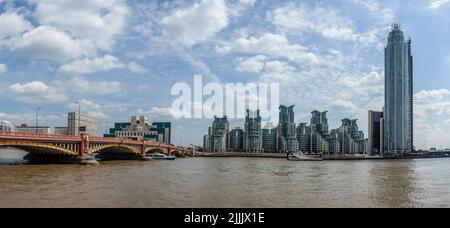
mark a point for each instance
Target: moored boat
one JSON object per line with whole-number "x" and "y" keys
{"x": 303, "y": 157}
{"x": 159, "y": 156}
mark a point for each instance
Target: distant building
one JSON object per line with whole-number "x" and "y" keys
{"x": 286, "y": 130}
{"x": 164, "y": 131}
{"x": 319, "y": 132}
{"x": 206, "y": 142}
{"x": 5, "y": 126}
{"x": 253, "y": 132}
{"x": 78, "y": 124}
{"x": 140, "y": 129}
{"x": 398, "y": 114}
{"x": 61, "y": 131}
{"x": 304, "y": 137}
{"x": 352, "y": 139}
{"x": 33, "y": 129}
{"x": 236, "y": 139}
{"x": 218, "y": 135}
{"x": 270, "y": 139}
{"x": 375, "y": 133}
{"x": 334, "y": 143}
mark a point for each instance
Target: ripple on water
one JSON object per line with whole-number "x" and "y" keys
{"x": 228, "y": 182}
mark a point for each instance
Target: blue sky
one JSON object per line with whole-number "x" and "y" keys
{"x": 121, "y": 58}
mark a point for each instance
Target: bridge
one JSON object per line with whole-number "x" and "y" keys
{"x": 69, "y": 149}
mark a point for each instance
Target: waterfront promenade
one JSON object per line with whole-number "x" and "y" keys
{"x": 330, "y": 158}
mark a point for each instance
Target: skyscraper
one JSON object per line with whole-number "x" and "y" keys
{"x": 398, "y": 116}
{"x": 286, "y": 130}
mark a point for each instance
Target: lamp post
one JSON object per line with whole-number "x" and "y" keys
{"x": 37, "y": 119}
{"x": 79, "y": 116}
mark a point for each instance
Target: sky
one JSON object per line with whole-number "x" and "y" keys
{"x": 121, "y": 58}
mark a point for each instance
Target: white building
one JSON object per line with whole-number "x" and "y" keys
{"x": 81, "y": 124}
{"x": 5, "y": 125}
{"x": 33, "y": 129}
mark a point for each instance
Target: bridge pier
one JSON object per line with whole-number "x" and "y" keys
{"x": 85, "y": 153}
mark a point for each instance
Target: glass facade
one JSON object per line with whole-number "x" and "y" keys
{"x": 270, "y": 140}
{"x": 236, "y": 138}
{"x": 253, "y": 132}
{"x": 140, "y": 129}
{"x": 287, "y": 130}
{"x": 398, "y": 116}
{"x": 218, "y": 135}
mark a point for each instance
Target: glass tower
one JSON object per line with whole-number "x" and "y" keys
{"x": 253, "y": 132}
{"x": 286, "y": 130}
{"x": 398, "y": 125}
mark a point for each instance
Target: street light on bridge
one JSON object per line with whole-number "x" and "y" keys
{"x": 79, "y": 116}
{"x": 37, "y": 119}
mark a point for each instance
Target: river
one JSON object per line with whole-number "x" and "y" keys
{"x": 226, "y": 182}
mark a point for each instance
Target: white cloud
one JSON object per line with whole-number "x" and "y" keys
{"x": 436, "y": 4}
{"x": 159, "y": 112}
{"x": 91, "y": 108}
{"x": 253, "y": 64}
{"x": 326, "y": 21}
{"x": 270, "y": 44}
{"x": 12, "y": 24}
{"x": 50, "y": 43}
{"x": 197, "y": 23}
{"x": 136, "y": 68}
{"x": 80, "y": 85}
{"x": 3, "y": 68}
{"x": 278, "y": 71}
{"x": 431, "y": 109}
{"x": 425, "y": 95}
{"x": 86, "y": 104}
{"x": 98, "y": 21}
{"x": 37, "y": 92}
{"x": 343, "y": 105}
{"x": 90, "y": 66}
{"x": 431, "y": 103}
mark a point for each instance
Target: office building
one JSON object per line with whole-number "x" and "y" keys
{"x": 375, "y": 133}
{"x": 81, "y": 124}
{"x": 140, "y": 129}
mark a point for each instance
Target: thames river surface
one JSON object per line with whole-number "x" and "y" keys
{"x": 226, "y": 182}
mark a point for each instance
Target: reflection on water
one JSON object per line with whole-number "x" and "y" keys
{"x": 395, "y": 184}
{"x": 228, "y": 182}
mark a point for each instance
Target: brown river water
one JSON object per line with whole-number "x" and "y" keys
{"x": 226, "y": 182}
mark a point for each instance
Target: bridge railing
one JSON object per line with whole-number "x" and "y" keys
{"x": 22, "y": 135}
{"x": 34, "y": 135}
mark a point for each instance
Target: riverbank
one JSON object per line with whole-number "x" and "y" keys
{"x": 329, "y": 158}
{"x": 238, "y": 155}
